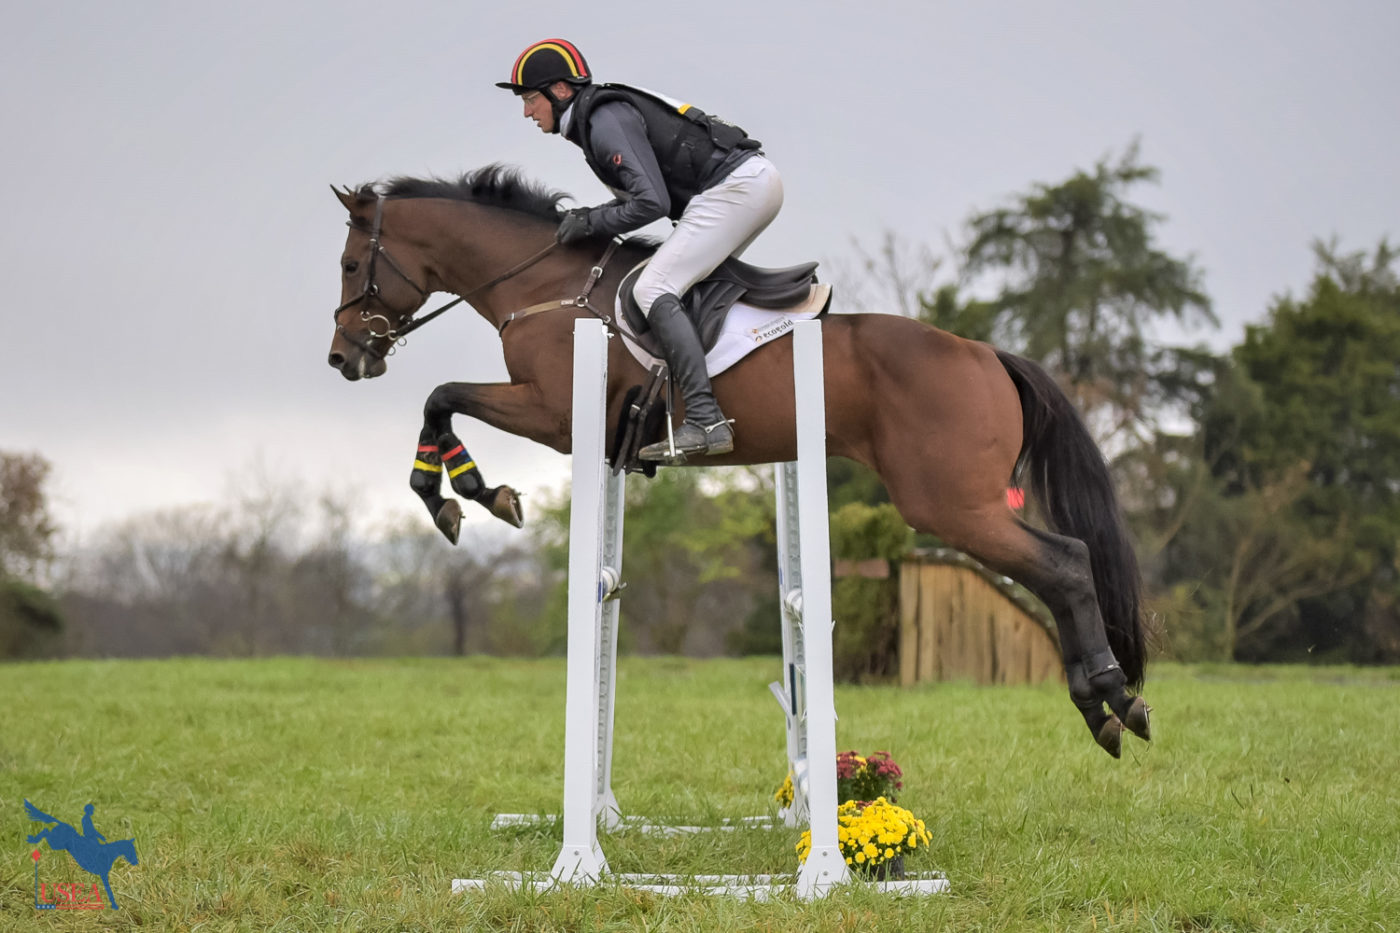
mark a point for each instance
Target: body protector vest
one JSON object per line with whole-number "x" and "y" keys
{"x": 694, "y": 149}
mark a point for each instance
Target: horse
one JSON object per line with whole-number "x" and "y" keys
{"x": 92, "y": 856}
{"x": 945, "y": 422}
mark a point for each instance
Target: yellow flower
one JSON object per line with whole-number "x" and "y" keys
{"x": 873, "y": 834}
{"x": 784, "y": 794}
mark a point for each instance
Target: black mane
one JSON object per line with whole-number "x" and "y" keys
{"x": 496, "y": 185}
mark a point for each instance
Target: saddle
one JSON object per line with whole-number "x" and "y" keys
{"x": 709, "y": 301}
{"x": 787, "y": 294}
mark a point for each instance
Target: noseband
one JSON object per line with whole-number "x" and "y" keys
{"x": 395, "y": 335}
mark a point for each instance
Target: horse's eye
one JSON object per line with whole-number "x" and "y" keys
{"x": 351, "y": 266}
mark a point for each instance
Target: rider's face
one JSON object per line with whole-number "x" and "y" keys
{"x": 537, "y": 108}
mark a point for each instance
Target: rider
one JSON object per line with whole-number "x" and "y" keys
{"x": 89, "y": 830}
{"x": 661, "y": 158}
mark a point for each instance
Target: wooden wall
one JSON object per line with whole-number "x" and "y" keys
{"x": 958, "y": 621}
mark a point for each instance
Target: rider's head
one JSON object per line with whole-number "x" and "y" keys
{"x": 547, "y": 72}
{"x": 87, "y": 810}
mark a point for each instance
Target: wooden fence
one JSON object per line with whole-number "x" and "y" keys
{"x": 959, "y": 621}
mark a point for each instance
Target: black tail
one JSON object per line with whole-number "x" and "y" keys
{"x": 1070, "y": 479}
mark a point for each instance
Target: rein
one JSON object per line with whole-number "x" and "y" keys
{"x": 397, "y": 335}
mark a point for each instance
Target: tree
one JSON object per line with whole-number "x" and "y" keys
{"x": 26, "y": 528}
{"x": 1327, "y": 406}
{"x": 893, "y": 279}
{"x": 1079, "y": 283}
{"x": 254, "y": 576}
{"x": 1290, "y": 516}
{"x": 31, "y": 622}
{"x": 30, "y": 619}
{"x": 693, "y": 558}
{"x": 484, "y": 595}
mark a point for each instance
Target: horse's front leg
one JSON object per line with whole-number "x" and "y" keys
{"x": 511, "y": 407}
{"x": 426, "y": 481}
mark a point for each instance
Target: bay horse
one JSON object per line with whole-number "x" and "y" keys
{"x": 944, "y": 421}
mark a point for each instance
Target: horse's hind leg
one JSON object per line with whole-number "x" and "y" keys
{"x": 1061, "y": 576}
{"x": 1057, "y": 570}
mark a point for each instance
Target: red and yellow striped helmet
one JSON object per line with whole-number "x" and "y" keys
{"x": 545, "y": 62}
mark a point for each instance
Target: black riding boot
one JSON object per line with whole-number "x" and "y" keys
{"x": 705, "y": 430}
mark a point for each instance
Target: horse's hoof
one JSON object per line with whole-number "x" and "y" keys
{"x": 505, "y": 505}
{"x": 1110, "y": 737}
{"x": 449, "y": 520}
{"x": 1137, "y": 720}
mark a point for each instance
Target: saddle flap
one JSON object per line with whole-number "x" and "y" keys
{"x": 709, "y": 301}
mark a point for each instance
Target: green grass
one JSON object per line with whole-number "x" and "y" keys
{"x": 345, "y": 795}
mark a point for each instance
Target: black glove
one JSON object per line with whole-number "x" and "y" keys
{"x": 574, "y": 227}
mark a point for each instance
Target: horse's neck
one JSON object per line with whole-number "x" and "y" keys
{"x": 475, "y": 244}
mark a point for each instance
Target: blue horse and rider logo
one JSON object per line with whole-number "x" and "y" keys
{"x": 89, "y": 848}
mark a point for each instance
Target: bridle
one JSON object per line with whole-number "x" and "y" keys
{"x": 396, "y": 335}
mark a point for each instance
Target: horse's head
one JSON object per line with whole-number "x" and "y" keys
{"x": 126, "y": 848}
{"x": 379, "y": 292}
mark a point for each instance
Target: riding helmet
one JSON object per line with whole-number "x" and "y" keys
{"x": 545, "y": 62}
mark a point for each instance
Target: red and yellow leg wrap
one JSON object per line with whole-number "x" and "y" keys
{"x": 428, "y": 460}
{"x": 461, "y": 468}
{"x": 426, "y": 478}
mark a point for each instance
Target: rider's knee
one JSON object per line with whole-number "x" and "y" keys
{"x": 648, "y": 289}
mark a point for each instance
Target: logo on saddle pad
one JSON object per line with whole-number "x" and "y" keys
{"x": 89, "y": 849}
{"x": 775, "y": 330}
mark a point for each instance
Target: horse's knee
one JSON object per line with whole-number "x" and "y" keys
{"x": 438, "y": 404}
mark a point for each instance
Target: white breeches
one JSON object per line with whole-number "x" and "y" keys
{"x": 718, "y": 223}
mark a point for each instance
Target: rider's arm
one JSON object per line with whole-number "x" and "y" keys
{"x": 619, "y": 141}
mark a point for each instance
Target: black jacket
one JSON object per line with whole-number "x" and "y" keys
{"x": 654, "y": 154}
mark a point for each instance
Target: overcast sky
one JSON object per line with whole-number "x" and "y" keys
{"x": 170, "y": 244}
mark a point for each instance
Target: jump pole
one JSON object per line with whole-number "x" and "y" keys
{"x": 807, "y": 697}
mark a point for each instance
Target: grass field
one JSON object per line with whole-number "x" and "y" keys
{"x": 345, "y": 795}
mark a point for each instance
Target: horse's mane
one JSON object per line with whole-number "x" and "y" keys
{"x": 496, "y": 185}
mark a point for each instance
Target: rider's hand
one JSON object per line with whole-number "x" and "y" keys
{"x": 574, "y": 227}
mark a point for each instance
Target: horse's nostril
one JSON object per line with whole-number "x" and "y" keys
{"x": 336, "y": 359}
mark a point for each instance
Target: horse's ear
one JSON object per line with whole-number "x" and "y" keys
{"x": 346, "y": 197}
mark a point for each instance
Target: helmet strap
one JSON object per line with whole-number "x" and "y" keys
{"x": 556, "y": 105}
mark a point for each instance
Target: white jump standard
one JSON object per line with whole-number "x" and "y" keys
{"x": 807, "y": 695}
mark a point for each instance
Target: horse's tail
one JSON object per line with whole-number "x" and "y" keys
{"x": 1069, "y": 478}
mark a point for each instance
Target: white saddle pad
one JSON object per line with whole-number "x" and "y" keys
{"x": 746, "y": 328}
